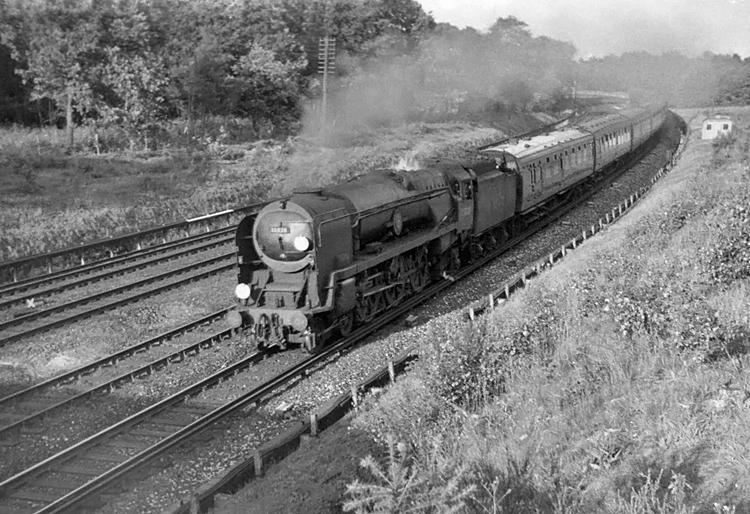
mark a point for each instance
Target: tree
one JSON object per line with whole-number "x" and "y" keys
{"x": 132, "y": 81}
{"x": 265, "y": 89}
{"x": 57, "y": 40}
{"x": 11, "y": 89}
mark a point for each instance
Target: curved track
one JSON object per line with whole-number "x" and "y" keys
{"x": 69, "y": 480}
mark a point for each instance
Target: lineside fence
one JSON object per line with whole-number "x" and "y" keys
{"x": 534, "y": 270}
{"x": 40, "y": 264}
{"x": 232, "y": 480}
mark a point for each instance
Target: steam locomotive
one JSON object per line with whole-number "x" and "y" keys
{"x": 328, "y": 259}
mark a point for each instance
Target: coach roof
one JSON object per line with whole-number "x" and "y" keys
{"x": 521, "y": 148}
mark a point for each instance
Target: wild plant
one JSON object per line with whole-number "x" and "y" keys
{"x": 402, "y": 486}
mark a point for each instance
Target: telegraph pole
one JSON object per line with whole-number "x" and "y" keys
{"x": 326, "y": 64}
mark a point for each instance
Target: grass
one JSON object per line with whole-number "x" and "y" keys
{"x": 615, "y": 383}
{"x": 50, "y": 200}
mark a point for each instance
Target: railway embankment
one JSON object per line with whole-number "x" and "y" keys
{"x": 615, "y": 379}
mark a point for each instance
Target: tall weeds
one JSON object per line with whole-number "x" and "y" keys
{"x": 615, "y": 383}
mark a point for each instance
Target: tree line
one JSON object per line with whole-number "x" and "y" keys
{"x": 138, "y": 64}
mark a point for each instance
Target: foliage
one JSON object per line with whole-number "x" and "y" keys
{"x": 652, "y": 499}
{"x": 402, "y": 487}
{"x": 58, "y": 44}
{"x": 265, "y": 89}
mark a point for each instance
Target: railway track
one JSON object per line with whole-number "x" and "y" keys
{"x": 31, "y": 405}
{"x": 69, "y": 480}
{"x": 79, "y": 276}
{"x": 41, "y": 265}
{"x": 42, "y": 320}
{"x": 73, "y": 478}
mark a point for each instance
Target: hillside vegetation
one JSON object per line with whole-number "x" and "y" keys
{"x": 614, "y": 383}
{"x": 67, "y": 201}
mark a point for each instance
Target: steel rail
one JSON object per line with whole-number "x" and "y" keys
{"x": 126, "y": 377}
{"x": 84, "y": 492}
{"x": 33, "y": 316}
{"x": 43, "y": 293}
{"x": 110, "y": 305}
{"x": 84, "y": 269}
{"x": 9, "y": 270}
{"x": 75, "y": 498}
{"x": 80, "y": 494}
{"x": 106, "y": 434}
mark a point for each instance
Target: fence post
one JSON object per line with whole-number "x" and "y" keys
{"x": 258, "y": 463}
{"x": 355, "y": 399}
{"x": 471, "y": 313}
{"x": 391, "y": 371}
{"x": 313, "y": 424}
{"x": 492, "y": 302}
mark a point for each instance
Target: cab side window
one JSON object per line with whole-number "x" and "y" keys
{"x": 468, "y": 190}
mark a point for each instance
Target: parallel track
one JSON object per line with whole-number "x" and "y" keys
{"x": 31, "y": 405}
{"x": 68, "y": 481}
{"x": 18, "y": 328}
{"x": 87, "y": 273}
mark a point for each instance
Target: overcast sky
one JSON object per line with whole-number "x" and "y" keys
{"x": 600, "y": 27}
